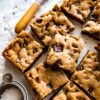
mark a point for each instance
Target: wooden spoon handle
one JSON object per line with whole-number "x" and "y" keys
{"x": 27, "y": 17}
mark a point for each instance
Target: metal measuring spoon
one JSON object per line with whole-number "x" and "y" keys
{"x": 8, "y": 83}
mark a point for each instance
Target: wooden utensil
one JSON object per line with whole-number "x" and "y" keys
{"x": 28, "y": 16}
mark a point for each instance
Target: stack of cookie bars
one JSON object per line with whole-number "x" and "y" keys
{"x": 81, "y": 82}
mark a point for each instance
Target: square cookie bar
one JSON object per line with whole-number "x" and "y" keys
{"x": 64, "y": 52}
{"x": 98, "y": 50}
{"x": 71, "y": 92}
{"x": 87, "y": 74}
{"x": 51, "y": 23}
{"x": 92, "y": 26}
{"x": 23, "y": 51}
{"x": 78, "y": 9}
{"x": 45, "y": 79}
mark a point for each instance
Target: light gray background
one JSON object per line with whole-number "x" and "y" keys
{"x": 10, "y": 13}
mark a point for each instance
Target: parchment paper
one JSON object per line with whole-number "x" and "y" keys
{"x": 10, "y": 13}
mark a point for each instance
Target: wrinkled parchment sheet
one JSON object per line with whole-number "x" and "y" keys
{"x": 10, "y": 13}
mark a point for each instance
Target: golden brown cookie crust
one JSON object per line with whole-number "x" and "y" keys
{"x": 92, "y": 26}
{"x": 44, "y": 79}
{"x": 23, "y": 51}
{"x": 78, "y": 9}
{"x": 64, "y": 52}
{"x": 87, "y": 74}
{"x": 71, "y": 92}
{"x": 51, "y": 23}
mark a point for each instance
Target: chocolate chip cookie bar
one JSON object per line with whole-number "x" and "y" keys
{"x": 71, "y": 92}
{"x": 23, "y": 51}
{"x": 64, "y": 52}
{"x": 44, "y": 79}
{"x": 98, "y": 50}
{"x": 51, "y": 23}
{"x": 78, "y": 9}
{"x": 92, "y": 26}
{"x": 87, "y": 74}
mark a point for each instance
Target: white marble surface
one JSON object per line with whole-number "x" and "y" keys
{"x": 10, "y": 13}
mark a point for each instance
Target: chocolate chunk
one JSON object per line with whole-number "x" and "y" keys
{"x": 66, "y": 91}
{"x": 94, "y": 18}
{"x": 58, "y": 63}
{"x": 47, "y": 25}
{"x": 25, "y": 43}
{"x": 90, "y": 89}
{"x": 39, "y": 20}
{"x": 58, "y": 47}
{"x": 30, "y": 75}
{"x": 94, "y": 0}
{"x": 46, "y": 65}
{"x": 71, "y": 84}
{"x": 97, "y": 68}
{"x": 78, "y": 12}
{"x": 79, "y": 68}
{"x": 37, "y": 79}
{"x": 49, "y": 85}
{"x": 35, "y": 50}
{"x": 74, "y": 51}
{"x": 26, "y": 62}
{"x": 74, "y": 45}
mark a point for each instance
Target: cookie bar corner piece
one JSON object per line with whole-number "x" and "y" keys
{"x": 92, "y": 26}
{"x": 51, "y": 23}
{"x": 64, "y": 52}
{"x": 87, "y": 74}
{"x": 44, "y": 80}
{"x": 76, "y": 9}
{"x": 23, "y": 51}
{"x": 71, "y": 92}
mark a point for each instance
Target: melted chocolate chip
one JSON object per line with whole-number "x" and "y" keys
{"x": 26, "y": 62}
{"x": 35, "y": 50}
{"x": 30, "y": 75}
{"x": 74, "y": 45}
{"x": 58, "y": 63}
{"x": 76, "y": 90}
{"x": 79, "y": 68}
{"x": 46, "y": 65}
{"x": 97, "y": 68}
{"x": 71, "y": 84}
{"x": 94, "y": 18}
{"x": 93, "y": 0}
{"x": 25, "y": 43}
{"x": 47, "y": 25}
{"x": 37, "y": 79}
{"x": 49, "y": 85}
{"x": 39, "y": 20}
{"x": 74, "y": 51}
{"x": 66, "y": 91}
{"x": 78, "y": 12}
{"x": 90, "y": 89}
{"x": 57, "y": 47}
{"x": 17, "y": 42}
